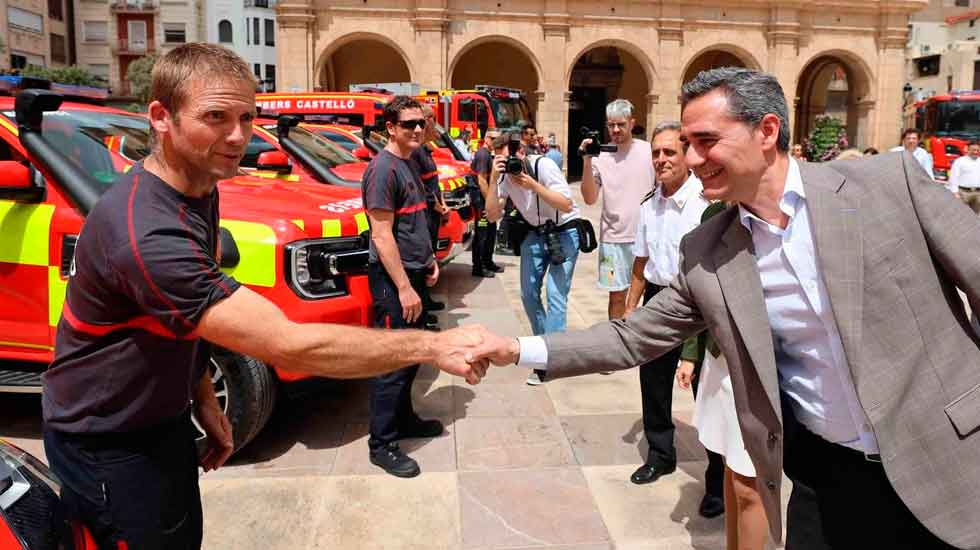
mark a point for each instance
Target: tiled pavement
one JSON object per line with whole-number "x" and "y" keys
{"x": 518, "y": 467}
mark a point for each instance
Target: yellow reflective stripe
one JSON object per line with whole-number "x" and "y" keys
{"x": 56, "y": 294}
{"x": 331, "y": 228}
{"x": 24, "y": 232}
{"x": 25, "y": 345}
{"x": 300, "y": 224}
{"x": 6, "y": 124}
{"x": 257, "y": 249}
{"x": 362, "y": 222}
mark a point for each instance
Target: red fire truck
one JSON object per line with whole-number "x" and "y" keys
{"x": 301, "y": 245}
{"x": 948, "y": 122}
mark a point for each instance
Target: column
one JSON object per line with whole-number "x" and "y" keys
{"x": 553, "y": 95}
{"x": 886, "y": 116}
{"x": 783, "y": 38}
{"x": 295, "y": 53}
{"x": 670, "y": 54}
{"x": 430, "y": 22}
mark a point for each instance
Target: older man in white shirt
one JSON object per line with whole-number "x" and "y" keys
{"x": 910, "y": 143}
{"x": 964, "y": 177}
{"x": 668, "y": 213}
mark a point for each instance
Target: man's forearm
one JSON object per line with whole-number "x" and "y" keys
{"x": 204, "y": 392}
{"x": 589, "y": 187}
{"x": 494, "y": 210}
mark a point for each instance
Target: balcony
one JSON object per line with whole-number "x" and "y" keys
{"x": 134, "y": 6}
{"x": 260, "y": 3}
{"x": 127, "y": 46}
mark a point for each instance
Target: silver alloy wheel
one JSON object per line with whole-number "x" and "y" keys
{"x": 220, "y": 385}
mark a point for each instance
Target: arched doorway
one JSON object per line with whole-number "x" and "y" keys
{"x": 830, "y": 85}
{"x": 600, "y": 75}
{"x": 496, "y": 62}
{"x": 345, "y": 65}
{"x": 712, "y": 59}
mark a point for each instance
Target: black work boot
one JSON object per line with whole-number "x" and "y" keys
{"x": 391, "y": 459}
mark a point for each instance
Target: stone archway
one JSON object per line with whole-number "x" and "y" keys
{"x": 599, "y": 75}
{"x": 342, "y": 63}
{"x": 834, "y": 84}
{"x": 497, "y": 61}
{"x": 721, "y": 55}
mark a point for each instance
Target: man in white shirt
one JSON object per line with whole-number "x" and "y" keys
{"x": 541, "y": 194}
{"x": 910, "y": 144}
{"x": 667, "y": 214}
{"x": 621, "y": 179}
{"x": 964, "y": 177}
{"x": 853, "y": 364}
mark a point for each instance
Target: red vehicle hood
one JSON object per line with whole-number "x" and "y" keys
{"x": 352, "y": 171}
{"x": 310, "y": 206}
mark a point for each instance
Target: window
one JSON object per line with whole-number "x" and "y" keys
{"x": 56, "y": 10}
{"x": 59, "y": 53}
{"x": 973, "y": 22}
{"x": 100, "y": 70}
{"x": 25, "y": 20}
{"x": 259, "y": 3}
{"x": 94, "y": 31}
{"x": 175, "y": 33}
{"x": 270, "y": 32}
{"x": 255, "y": 30}
{"x": 257, "y": 68}
{"x": 248, "y": 32}
{"x": 270, "y": 78}
{"x": 928, "y": 66}
{"x": 17, "y": 61}
{"x": 963, "y": 4}
{"x": 224, "y": 31}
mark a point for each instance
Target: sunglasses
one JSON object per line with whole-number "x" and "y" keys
{"x": 411, "y": 124}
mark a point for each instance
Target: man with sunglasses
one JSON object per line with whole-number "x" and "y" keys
{"x": 400, "y": 267}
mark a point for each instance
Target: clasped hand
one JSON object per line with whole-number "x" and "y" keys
{"x": 469, "y": 351}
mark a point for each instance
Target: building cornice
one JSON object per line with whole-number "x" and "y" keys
{"x": 294, "y": 15}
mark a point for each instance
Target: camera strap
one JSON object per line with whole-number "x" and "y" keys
{"x": 534, "y": 174}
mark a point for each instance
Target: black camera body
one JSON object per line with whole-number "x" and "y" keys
{"x": 514, "y": 165}
{"x": 593, "y": 149}
{"x": 552, "y": 243}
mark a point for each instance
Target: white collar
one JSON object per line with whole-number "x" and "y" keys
{"x": 793, "y": 195}
{"x": 690, "y": 188}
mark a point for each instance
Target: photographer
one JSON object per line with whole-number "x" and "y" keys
{"x": 622, "y": 177}
{"x": 540, "y": 193}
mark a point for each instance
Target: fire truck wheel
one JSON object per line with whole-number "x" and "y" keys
{"x": 246, "y": 389}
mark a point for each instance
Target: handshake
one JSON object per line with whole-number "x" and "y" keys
{"x": 470, "y": 350}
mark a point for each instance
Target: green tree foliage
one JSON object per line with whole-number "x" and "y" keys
{"x": 827, "y": 139}
{"x": 65, "y": 75}
{"x": 138, "y": 76}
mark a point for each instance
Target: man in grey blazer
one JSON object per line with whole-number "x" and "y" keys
{"x": 832, "y": 291}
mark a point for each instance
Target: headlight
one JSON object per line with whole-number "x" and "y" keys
{"x": 29, "y": 502}
{"x": 317, "y": 268}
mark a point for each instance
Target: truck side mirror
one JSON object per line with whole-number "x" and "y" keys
{"x": 20, "y": 182}
{"x": 362, "y": 153}
{"x": 275, "y": 161}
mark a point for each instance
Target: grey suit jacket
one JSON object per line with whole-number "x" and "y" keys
{"x": 892, "y": 247}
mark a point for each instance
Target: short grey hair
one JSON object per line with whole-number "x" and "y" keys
{"x": 620, "y": 108}
{"x": 751, "y": 95}
{"x": 665, "y": 125}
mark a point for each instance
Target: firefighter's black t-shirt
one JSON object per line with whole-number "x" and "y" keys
{"x": 391, "y": 184}
{"x": 428, "y": 172}
{"x": 127, "y": 356}
{"x": 482, "y": 162}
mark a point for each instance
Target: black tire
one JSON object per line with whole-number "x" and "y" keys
{"x": 246, "y": 389}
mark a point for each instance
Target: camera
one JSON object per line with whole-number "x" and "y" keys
{"x": 594, "y": 148}
{"x": 552, "y": 243}
{"x": 514, "y": 165}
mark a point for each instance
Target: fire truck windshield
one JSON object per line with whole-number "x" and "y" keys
{"x": 959, "y": 118}
{"x": 87, "y": 137}
{"x": 325, "y": 151}
{"x": 509, "y": 113}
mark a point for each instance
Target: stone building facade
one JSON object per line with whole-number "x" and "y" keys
{"x": 572, "y": 56}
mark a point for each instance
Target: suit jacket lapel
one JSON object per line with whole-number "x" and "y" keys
{"x": 738, "y": 275}
{"x": 838, "y": 241}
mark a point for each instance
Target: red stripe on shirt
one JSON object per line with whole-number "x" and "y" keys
{"x": 411, "y": 208}
{"x": 139, "y": 260}
{"x": 431, "y": 174}
{"x": 199, "y": 254}
{"x": 143, "y": 322}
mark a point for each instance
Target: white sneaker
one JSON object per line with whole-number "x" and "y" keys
{"x": 534, "y": 379}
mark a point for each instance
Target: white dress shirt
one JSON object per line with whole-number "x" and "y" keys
{"x": 809, "y": 354}
{"x": 534, "y": 209}
{"x": 662, "y": 223}
{"x": 964, "y": 173}
{"x": 921, "y": 155}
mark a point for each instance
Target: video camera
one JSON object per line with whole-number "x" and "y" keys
{"x": 594, "y": 148}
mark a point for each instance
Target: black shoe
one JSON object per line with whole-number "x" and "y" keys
{"x": 711, "y": 506}
{"x": 648, "y": 473}
{"x": 391, "y": 459}
{"x": 432, "y": 328}
{"x": 431, "y": 319}
{"x": 434, "y": 306}
{"x": 421, "y": 428}
{"x": 484, "y": 273}
{"x": 494, "y": 268}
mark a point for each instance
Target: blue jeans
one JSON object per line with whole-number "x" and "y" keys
{"x": 534, "y": 267}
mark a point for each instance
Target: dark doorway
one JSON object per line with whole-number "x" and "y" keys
{"x": 587, "y": 107}
{"x": 976, "y": 75}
